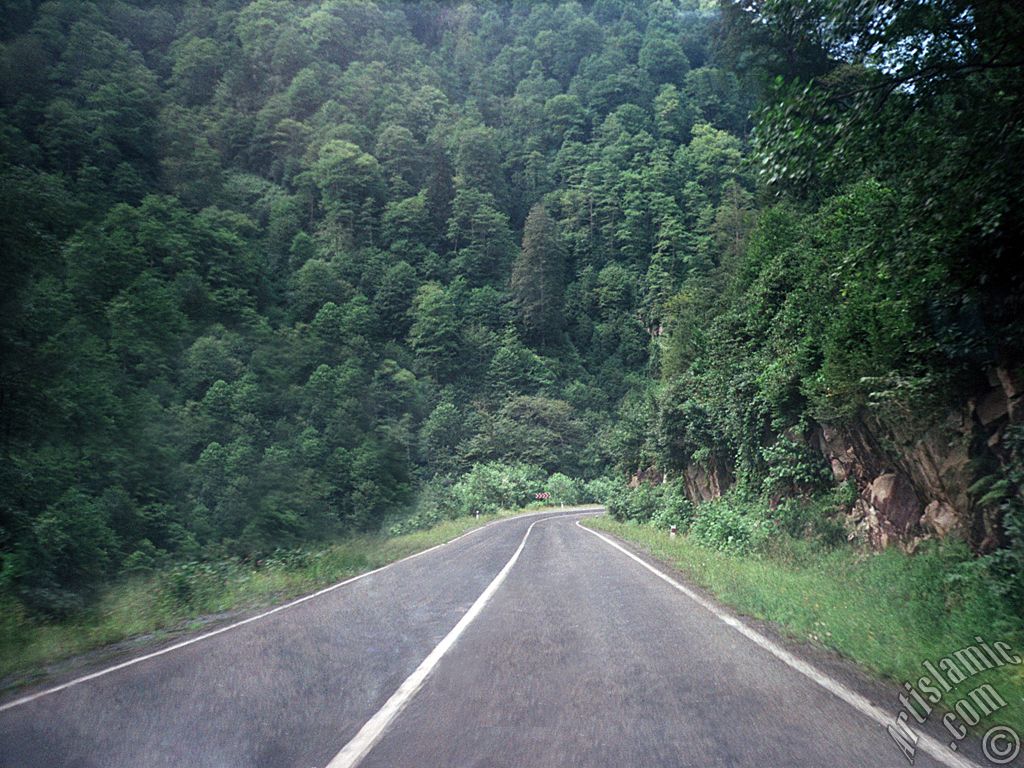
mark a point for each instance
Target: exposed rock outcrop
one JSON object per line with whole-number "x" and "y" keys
{"x": 911, "y": 474}
{"x": 941, "y": 520}
{"x": 704, "y": 483}
{"x": 912, "y": 478}
{"x": 649, "y": 476}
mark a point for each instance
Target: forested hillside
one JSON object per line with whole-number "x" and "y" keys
{"x": 277, "y": 272}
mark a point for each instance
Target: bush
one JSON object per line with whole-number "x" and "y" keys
{"x": 146, "y": 558}
{"x": 1004, "y": 491}
{"x": 793, "y": 469}
{"x": 725, "y": 525}
{"x": 638, "y": 504}
{"x": 427, "y": 517}
{"x": 493, "y": 486}
{"x": 600, "y": 489}
{"x": 289, "y": 559}
{"x": 564, "y": 490}
{"x": 193, "y": 586}
{"x": 486, "y": 488}
{"x": 814, "y": 519}
{"x": 70, "y": 550}
{"x": 434, "y": 502}
{"x": 675, "y": 509}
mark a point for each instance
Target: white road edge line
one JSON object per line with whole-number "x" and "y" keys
{"x": 926, "y": 743}
{"x": 368, "y": 736}
{"x": 206, "y": 636}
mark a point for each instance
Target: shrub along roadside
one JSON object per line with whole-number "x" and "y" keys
{"x": 170, "y": 597}
{"x": 172, "y": 600}
{"x": 489, "y": 487}
{"x": 888, "y": 612}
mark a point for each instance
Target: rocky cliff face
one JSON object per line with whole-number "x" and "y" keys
{"x": 912, "y": 477}
{"x": 705, "y": 482}
{"x": 911, "y": 481}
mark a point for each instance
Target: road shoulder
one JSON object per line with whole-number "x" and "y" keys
{"x": 879, "y": 692}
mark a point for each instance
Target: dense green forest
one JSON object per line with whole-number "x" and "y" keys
{"x": 277, "y": 272}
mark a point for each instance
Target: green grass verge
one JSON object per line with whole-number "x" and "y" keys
{"x": 150, "y": 608}
{"x": 888, "y": 612}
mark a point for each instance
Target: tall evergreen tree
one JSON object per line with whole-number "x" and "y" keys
{"x": 538, "y": 278}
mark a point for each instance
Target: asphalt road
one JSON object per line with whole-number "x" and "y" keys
{"x": 581, "y": 657}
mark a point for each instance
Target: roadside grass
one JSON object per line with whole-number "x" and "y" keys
{"x": 141, "y": 610}
{"x": 888, "y": 612}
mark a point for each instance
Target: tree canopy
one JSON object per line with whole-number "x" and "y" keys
{"x": 274, "y": 271}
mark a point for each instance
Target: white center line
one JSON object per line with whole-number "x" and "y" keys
{"x": 353, "y": 752}
{"x": 854, "y": 699}
{"x": 206, "y": 635}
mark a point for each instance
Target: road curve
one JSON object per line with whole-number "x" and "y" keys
{"x": 287, "y": 690}
{"x": 581, "y": 657}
